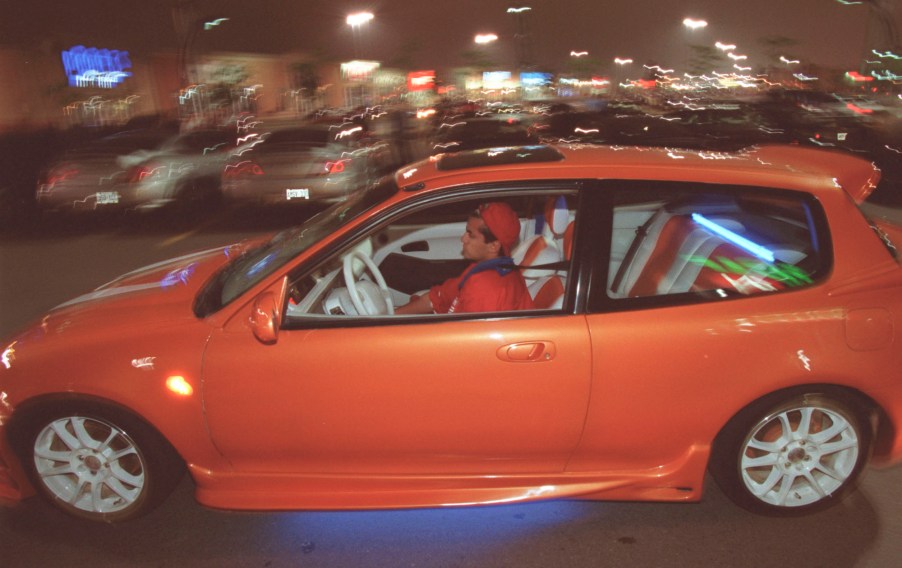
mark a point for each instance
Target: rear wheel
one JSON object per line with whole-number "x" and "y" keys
{"x": 99, "y": 464}
{"x": 792, "y": 457}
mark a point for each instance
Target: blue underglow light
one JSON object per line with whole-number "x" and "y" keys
{"x": 734, "y": 238}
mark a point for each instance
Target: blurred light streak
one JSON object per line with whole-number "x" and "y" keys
{"x": 9, "y": 355}
{"x": 210, "y": 25}
{"x": 725, "y": 46}
{"x": 788, "y": 61}
{"x": 578, "y": 53}
{"x": 622, "y": 61}
{"x": 886, "y": 54}
{"x": 483, "y": 39}
{"x": 694, "y": 24}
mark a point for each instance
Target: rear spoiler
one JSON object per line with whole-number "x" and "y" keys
{"x": 856, "y": 175}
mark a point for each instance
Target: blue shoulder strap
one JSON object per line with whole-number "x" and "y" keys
{"x": 502, "y": 265}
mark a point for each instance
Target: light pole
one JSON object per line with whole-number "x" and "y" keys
{"x": 621, "y": 63}
{"x": 356, "y": 20}
{"x": 693, "y": 25}
{"x": 523, "y": 37}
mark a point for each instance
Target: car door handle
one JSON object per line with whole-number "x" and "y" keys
{"x": 527, "y": 352}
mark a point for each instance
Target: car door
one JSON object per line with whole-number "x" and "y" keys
{"x": 498, "y": 393}
{"x": 476, "y": 396}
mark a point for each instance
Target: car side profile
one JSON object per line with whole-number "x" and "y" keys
{"x": 692, "y": 312}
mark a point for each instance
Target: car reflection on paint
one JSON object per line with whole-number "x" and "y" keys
{"x": 690, "y": 315}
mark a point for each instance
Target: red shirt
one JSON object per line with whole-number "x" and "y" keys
{"x": 483, "y": 291}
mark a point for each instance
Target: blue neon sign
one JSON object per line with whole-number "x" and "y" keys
{"x": 92, "y": 67}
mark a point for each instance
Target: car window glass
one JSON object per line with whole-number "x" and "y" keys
{"x": 423, "y": 249}
{"x": 719, "y": 243}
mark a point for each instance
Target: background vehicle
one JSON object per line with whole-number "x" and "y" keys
{"x": 319, "y": 162}
{"x": 139, "y": 170}
{"x": 475, "y": 133}
{"x": 87, "y": 177}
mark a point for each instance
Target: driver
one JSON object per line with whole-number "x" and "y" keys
{"x": 491, "y": 283}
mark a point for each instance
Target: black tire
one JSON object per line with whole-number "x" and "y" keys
{"x": 792, "y": 455}
{"x": 97, "y": 462}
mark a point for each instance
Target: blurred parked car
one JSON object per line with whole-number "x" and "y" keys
{"x": 320, "y": 162}
{"x": 704, "y": 129}
{"x": 475, "y": 133}
{"x": 141, "y": 169}
{"x": 738, "y": 316}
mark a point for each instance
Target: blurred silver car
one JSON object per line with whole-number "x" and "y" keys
{"x": 141, "y": 170}
{"x": 311, "y": 163}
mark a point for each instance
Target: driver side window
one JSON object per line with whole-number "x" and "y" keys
{"x": 414, "y": 253}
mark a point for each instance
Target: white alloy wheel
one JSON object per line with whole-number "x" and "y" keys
{"x": 90, "y": 464}
{"x": 790, "y": 455}
{"x": 799, "y": 456}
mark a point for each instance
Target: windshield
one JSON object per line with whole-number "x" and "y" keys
{"x": 257, "y": 263}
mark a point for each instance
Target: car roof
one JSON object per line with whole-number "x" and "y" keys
{"x": 784, "y": 166}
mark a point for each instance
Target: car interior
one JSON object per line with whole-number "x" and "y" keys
{"x": 416, "y": 251}
{"x": 729, "y": 244}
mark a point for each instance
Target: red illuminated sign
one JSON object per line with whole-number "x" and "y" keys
{"x": 420, "y": 81}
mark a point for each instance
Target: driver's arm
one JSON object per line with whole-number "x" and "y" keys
{"x": 416, "y": 305}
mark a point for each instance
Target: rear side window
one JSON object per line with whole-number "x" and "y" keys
{"x": 679, "y": 240}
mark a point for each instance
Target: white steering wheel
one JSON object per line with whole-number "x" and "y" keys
{"x": 367, "y": 298}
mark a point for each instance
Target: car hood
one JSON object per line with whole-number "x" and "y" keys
{"x": 156, "y": 295}
{"x": 175, "y": 279}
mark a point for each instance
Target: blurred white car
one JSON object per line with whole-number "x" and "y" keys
{"x": 311, "y": 163}
{"x": 139, "y": 170}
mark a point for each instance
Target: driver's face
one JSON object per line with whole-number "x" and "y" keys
{"x": 474, "y": 246}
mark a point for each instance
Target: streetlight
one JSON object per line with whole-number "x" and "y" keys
{"x": 483, "y": 39}
{"x": 356, "y": 20}
{"x": 621, "y": 62}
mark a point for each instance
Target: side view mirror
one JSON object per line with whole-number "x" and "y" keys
{"x": 266, "y": 318}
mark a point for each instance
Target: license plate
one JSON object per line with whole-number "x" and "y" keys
{"x": 107, "y": 197}
{"x": 841, "y": 136}
{"x": 297, "y": 194}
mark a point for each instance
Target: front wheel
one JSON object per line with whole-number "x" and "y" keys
{"x": 792, "y": 457}
{"x": 100, "y": 465}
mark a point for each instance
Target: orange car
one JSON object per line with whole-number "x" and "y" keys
{"x": 693, "y": 311}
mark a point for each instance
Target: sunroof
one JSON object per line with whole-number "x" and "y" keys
{"x": 498, "y": 157}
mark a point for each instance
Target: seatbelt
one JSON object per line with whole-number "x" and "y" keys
{"x": 641, "y": 233}
{"x": 505, "y": 264}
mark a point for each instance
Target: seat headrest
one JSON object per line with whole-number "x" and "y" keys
{"x": 557, "y": 216}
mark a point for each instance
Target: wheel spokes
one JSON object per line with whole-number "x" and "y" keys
{"x": 89, "y": 464}
{"x": 799, "y": 456}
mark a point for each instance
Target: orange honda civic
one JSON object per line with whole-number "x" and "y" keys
{"x": 493, "y": 326}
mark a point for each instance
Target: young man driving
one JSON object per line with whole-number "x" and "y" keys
{"x": 490, "y": 283}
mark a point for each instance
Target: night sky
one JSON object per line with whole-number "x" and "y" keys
{"x": 433, "y": 34}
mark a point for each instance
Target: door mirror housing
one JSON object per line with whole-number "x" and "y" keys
{"x": 266, "y": 314}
